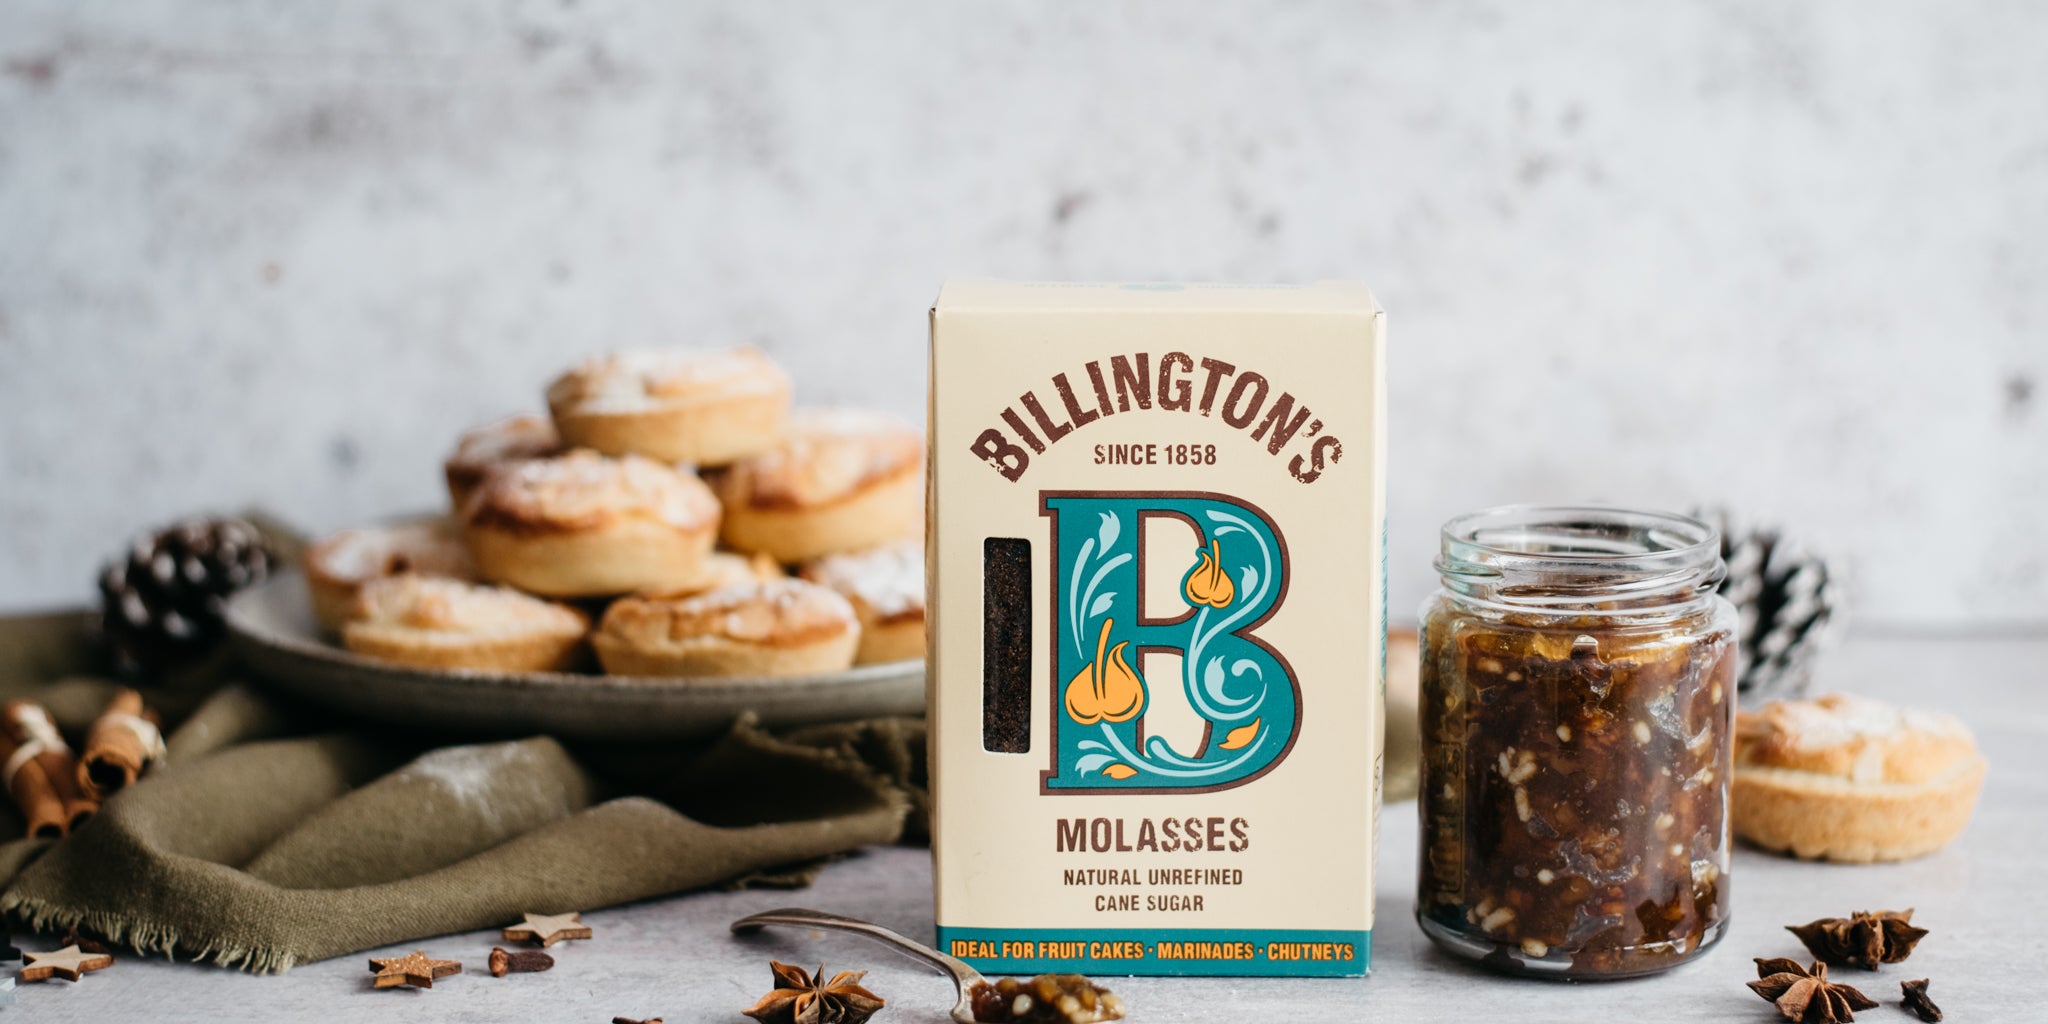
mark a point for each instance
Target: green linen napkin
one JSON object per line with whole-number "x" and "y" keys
{"x": 260, "y": 845}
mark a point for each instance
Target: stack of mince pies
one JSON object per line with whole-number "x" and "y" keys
{"x": 670, "y": 516}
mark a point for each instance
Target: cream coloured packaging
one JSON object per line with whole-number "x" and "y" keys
{"x": 1157, "y": 569}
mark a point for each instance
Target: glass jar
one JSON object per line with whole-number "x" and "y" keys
{"x": 1577, "y": 705}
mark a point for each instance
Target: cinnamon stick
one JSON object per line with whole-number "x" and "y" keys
{"x": 38, "y": 771}
{"x": 123, "y": 743}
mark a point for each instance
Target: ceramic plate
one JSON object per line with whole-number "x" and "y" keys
{"x": 274, "y": 630}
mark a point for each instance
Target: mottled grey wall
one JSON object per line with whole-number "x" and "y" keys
{"x": 1787, "y": 256}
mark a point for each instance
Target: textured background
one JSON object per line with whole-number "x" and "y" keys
{"x": 1786, "y": 256}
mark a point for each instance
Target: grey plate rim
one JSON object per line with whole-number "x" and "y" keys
{"x": 271, "y": 625}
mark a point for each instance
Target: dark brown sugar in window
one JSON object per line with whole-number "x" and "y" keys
{"x": 1006, "y": 645}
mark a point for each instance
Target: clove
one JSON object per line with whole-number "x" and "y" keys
{"x": 523, "y": 961}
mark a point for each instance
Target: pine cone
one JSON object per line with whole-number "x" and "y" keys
{"x": 1788, "y": 602}
{"x": 162, "y": 608}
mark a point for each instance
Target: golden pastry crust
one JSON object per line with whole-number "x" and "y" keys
{"x": 451, "y": 624}
{"x": 886, "y": 588}
{"x": 842, "y": 481}
{"x": 583, "y": 525}
{"x": 723, "y": 569}
{"x": 781, "y": 627}
{"x": 705, "y": 408}
{"x": 583, "y": 490}
{"x": 1852, "y": 779}
{"x": 510, "y": 440}
{"x": 337, "y": 566}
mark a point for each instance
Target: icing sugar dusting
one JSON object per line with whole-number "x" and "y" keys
{"x": 890, "y": 579}
{"x": 454, "y": 606}
{"x": 465, "y": 774}
{"x": 636, "y": 379}
{"x": 830, "y": 452}
{"x": 525, "y": 436}
{"x": 585, "y": 484}
{"x": 361, "y": 554}
{"x": 758, "y": 610}
{"x": 1839, "y": 718}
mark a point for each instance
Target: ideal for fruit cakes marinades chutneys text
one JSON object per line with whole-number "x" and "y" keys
{"x": 1577, "y": 703}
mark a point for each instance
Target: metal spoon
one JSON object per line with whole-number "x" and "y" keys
{"x": 964, "y": 977}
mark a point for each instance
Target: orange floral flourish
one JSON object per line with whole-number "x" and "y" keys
{"x": 1106, "y": 690}
{"x": 1209, "y": 584}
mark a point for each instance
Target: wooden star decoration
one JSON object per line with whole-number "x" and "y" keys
{"x": 69, "y": 963}
{"x": 416, "y": 969}
{"x": 549, "y": 929}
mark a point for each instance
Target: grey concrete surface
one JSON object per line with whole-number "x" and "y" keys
{"x": 673, "y": 958}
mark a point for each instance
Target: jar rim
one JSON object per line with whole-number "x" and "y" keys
{"x": 1565, "y": 549}
{"x": 1697, "y": 537}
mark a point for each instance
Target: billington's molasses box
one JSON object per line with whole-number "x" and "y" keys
{"x": 1158, "y": 620}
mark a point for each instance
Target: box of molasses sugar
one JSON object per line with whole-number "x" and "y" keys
{"x": 1157, "y": 586}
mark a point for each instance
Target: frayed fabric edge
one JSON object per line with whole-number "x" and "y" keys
{"x": 145, "y": 938}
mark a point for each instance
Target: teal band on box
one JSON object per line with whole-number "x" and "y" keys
{"x": 1206, "y": 952}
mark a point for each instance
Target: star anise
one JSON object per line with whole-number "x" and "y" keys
{"x": 1916, "y": 1000}
{"x": 1864, "y": 939}
{"x": 1805, "y": 994}
{"x": 801, "y": 998}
